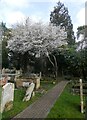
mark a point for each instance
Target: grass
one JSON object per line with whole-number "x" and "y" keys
{"x": 19, "y": 105}
{"x": 46, "y": 85}
{"x": 67, "y": 106}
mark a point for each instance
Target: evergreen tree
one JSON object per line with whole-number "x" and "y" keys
{"x": 60, "y": 16}
{"x": 6, "y": 34}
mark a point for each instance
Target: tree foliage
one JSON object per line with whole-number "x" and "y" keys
{"x": 60, "y": 16}
{"x": 36, "y": 39}
{"x": 6, "y": 34}
{"x": 82, "y": 51}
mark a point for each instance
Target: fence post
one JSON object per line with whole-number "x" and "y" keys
{"x": 86, "y": 110}
{"x": 81, "y": 95}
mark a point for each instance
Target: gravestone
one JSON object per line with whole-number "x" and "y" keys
{"x": 3, "y": 71}
{"x": 7, "y": 96}
{"x": 26, "y": 84}
{"x": 37, "y": 81}
{"x": 29, "y": 92}
{"x": 18, "y": 73}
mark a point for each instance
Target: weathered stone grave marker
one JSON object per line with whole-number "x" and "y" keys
{"x": 7, "y": 97}
{"x": 37, "y": 83}
{"x": 29, "y": 92}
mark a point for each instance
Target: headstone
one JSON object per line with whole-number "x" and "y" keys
{"x": 33, "y": 94}
{"x": 29, "y": 92}
{"x": 7, "y": 70}
{"x": 26, "y": 84}
{"x": 18, "y": 73}
{"x": 18, "y": 81}
{"x": 7, "y": 95}
{"x": 37, "y": 83}
{"x": 3, "y": 71}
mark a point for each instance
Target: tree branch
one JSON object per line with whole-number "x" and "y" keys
{"x": 50, "y": 60}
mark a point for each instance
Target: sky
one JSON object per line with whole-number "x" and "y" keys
{"x": 16, "y": 11}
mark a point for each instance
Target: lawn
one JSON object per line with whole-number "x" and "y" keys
{"x": 19, "y": 105}
{"x": 67, "y": 106}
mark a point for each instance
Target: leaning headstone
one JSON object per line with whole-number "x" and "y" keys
{"x": 7, "y": 96}
{"x": 29, "y": 92}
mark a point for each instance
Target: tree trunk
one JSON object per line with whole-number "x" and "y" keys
{"x": 56, "y": 67}
{"x": 50, "y": 61}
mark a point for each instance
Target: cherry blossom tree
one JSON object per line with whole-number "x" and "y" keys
{"x": 37, "y": 39}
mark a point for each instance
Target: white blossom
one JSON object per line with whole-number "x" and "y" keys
{"x": 38, "y": 36}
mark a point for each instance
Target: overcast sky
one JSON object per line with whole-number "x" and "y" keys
{"x": 12, "y": 11}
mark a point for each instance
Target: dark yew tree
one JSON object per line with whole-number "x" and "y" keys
{"x": 60, "y": 16}
{"x": 6, "y": 34}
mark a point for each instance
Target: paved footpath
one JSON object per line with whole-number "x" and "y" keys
{"x": 42, "y": 107}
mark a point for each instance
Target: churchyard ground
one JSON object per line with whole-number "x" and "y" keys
{"x": 19, "y": 105}
{"x": 67, "y": 106}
